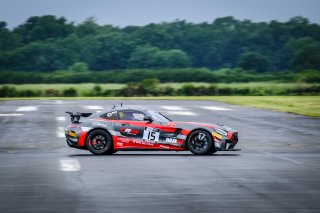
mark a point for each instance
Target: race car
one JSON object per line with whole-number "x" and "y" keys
{"x": 141, "y": 128}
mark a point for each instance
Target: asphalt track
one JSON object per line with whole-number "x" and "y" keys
{"x": 278, "y": 169}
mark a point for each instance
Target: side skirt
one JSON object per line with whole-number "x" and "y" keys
{"x": 143, "y": 149}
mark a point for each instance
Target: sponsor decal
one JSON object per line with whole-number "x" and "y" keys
{"x": 151, "y": 134}
{"x": 119, "y": 144}
{"x": 127, "y": 131}
{"x": 221, "y": 132}
{"x": 216, "y": 135}
{"x": 172, "y": 141}
{"x": 72, "y": 134}
{"x": 109, "y": 114}
{"x": 123, "y": 140}
{"x": 142, "y": 143}
{"x": 104, "y": 124}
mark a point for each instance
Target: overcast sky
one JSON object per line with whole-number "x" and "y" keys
{"x": 140, "y": 12}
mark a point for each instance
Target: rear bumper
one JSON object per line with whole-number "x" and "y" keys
{"x": 73, "y": 142}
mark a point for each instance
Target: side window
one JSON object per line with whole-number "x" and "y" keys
{"x": 132, "y": 115}
{"x": 113, "y": 115}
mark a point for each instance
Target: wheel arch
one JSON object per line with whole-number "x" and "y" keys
{"x": 193, "y": 130}
{"x": 93, "y": 129}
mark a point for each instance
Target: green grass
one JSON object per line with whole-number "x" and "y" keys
{"x": 303, "y": 105}
{"x": 115, "y": 86}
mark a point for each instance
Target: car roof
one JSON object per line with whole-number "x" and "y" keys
{"x": 128, "y": 107}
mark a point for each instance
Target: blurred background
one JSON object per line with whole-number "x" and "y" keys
{"x": 178, "y": 57}
{"x": 159, "y": 48}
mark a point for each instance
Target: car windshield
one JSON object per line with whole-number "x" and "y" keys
{"x": 158, "y": 116}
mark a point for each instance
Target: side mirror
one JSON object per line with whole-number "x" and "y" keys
{"x": 147, "y": 118}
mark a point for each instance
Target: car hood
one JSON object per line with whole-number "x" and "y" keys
{"x": 194, "y": 125}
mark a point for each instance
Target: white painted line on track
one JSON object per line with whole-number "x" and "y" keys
{"x": 60, "y": 132}
{"x": 93, "y": 107}
{"x": 177, "y": 108}
{"x": 283, "y": 158}
{"x": 216, "y": 108}
{"x": 180, "y": 113}
{"x": 60, "y": 118}
{"x": 27, "y": 108}
{"x": 69, "y": 165}
{"x": 58, "y": 102}
{"x": 12, "y": 114}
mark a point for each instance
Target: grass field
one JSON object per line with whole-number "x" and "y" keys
{"x": 303, "y": 105}
{"x": 111, "y": 86}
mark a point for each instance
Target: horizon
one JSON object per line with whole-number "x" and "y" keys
{"x": 122, "y": 13}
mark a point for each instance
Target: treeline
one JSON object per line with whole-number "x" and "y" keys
{"x": 164, "y": 75}
{"x": 49, "y": 43}
{"x": 151, "y": 87}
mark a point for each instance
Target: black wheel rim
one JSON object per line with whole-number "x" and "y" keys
{"x": 199, "y": 142}
{"x": 98, "y": 142}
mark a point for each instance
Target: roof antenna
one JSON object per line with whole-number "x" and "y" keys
{"x": 121, "y": 104}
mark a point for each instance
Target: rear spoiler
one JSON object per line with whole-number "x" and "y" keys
{"x": 75, "y": 116}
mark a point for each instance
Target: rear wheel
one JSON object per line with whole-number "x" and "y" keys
{"x": 99, "y": 142}
{"x": 200, "y": 142}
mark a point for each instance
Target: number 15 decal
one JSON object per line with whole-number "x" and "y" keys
{"x": 151, "y": 134}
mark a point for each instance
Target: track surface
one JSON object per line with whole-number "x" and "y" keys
{"x": 277, "y": 170}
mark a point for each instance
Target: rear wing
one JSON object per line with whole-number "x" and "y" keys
{"x": 75, "y": 116}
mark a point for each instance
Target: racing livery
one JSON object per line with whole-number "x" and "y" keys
{"x": 141, "y": 128}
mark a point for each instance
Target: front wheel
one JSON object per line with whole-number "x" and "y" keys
{"x": 99, "y": 142}
{"x": 200, "y": 142}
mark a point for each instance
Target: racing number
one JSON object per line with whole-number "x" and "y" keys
{"x": 151, "y": 134}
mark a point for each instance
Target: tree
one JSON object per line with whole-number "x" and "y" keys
{"x": 143, "y": 57}
{"x": 109, "y": 51}
{"x": 305, "y": 53}
{"x": 88, "y": 27}
{"x": 153, "y": 57}
{"x": 43, "y": 27}
{"x": 253, "y": 61}
{"x": 79, "y": 67}
{"x": 177, "y": 59}
{"x": 46, "y": 43}
{"x": 307, "y": 57}
{"x": 39, "y": 56}
{"x": 8, "y": 40}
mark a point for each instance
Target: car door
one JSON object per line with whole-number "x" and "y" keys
{"x": 136, "y": 132}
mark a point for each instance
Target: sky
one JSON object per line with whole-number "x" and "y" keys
{"x": 141, "y": 12}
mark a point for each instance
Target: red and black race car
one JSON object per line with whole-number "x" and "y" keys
{"x": 140, "y": 128}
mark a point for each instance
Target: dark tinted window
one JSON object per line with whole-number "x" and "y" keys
{"x": 112, "y": 115}
{"x": 131, "y": 115}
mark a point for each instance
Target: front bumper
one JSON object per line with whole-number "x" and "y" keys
{"x": 223, "y": 143}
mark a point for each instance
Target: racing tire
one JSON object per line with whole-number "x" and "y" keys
{"x": 99, "y": 142}
{"x": 213, "y": 148}
{"x": 200, "y": 142}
